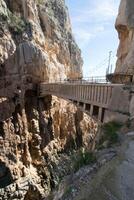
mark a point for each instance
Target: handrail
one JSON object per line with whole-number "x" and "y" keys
{"x": 84, "y": 80}
{"x": 91, "y": 93}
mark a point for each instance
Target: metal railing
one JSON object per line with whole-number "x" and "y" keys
{"x": 92, "y": 93}
{"x": 84, "y": 80}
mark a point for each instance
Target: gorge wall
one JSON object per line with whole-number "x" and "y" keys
{"x": 36, "y": 135}
{"x": 125, "y": 28}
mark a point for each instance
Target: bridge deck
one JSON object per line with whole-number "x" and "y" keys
{"x": 96, "y": 94}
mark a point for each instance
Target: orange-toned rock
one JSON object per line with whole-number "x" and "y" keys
{"x": 36, "y": 44}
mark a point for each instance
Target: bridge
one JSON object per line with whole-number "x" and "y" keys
{"x": 98, "y": 98}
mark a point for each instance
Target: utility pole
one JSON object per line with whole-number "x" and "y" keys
{"x": 111, "y": 69}
{"x": 109, "y": 61}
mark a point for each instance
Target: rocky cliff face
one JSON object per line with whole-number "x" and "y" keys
{"x": 36, "y": 44}
{"x": 125, "y": 28}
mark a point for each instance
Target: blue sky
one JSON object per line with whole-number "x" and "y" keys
{"x": 93, "y": 27}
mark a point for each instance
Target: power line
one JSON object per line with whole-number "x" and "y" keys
{"x": 105, "y": 63}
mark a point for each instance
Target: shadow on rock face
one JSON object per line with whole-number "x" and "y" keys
{"x": 32, "y": 194}
{"x": 5, "y": 175}
{"x": 78, "y": 119}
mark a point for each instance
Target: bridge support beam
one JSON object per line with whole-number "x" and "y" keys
{"x": 91, "y": 110}
{"x": 87, "y": 107}
{"x": 81, "y": 104}
{"x": 96, "y": 111}
{"x": 100, "y": 114}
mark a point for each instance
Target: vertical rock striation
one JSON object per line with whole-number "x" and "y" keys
{"x": 36, "y": 44}
{"x": 125, "y": 28}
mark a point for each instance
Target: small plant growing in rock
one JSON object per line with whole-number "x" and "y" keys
{"x": 82, "y": 158}
{"x": 68, "y": 190}
{"x": 39, "y": 1}
{"x": 16, "y": 24}
{"x": 110, "y": 130}
{"x": 110, "y": 135}
{"x": 128, "y": 123}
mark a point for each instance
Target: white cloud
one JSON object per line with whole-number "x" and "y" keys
{"x": 106, "y": 9}
{"x": 85, "y": 35}
{"x": 82, "y": 36}
{"x": 92, "y": 20}
{"x": 98, "y": 10}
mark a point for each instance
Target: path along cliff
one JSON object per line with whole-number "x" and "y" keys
{"x": 110, "y": 178}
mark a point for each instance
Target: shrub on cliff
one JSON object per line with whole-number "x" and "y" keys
{"x": 110, "y": 131}
{"x": 39, "y": 1}
{"x": 82, "y": 158}
{"x": 16, "y": 24}
{"x": 110, "y": 135}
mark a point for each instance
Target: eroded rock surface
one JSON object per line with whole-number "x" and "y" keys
{"x": 125, "y": 28}
{"x": 36, "y": 44}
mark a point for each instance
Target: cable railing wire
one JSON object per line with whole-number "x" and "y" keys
{"x": 84, "y": 80}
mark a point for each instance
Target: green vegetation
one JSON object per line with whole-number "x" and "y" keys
{"x": 128, "y": 123}
{"x": 39, "y": 1}
{"x": 3, "y": 17}
{"x": 82, "y": 158}
{"x": 16, "y": 24}
{"x": 68, "y": 191}
{"x": 109, "y": 133}
{"x": 3, "y": 22}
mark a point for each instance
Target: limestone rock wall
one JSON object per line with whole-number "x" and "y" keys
{"x": 125, "y": 28}
{"x": 36, "y": 44}
{"x": 38, "y": 29}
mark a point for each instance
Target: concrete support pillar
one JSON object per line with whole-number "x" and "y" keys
{"x": 91, "y": 110}
{"x": 84, "y": 106}
{"x": 100, "y": 114}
